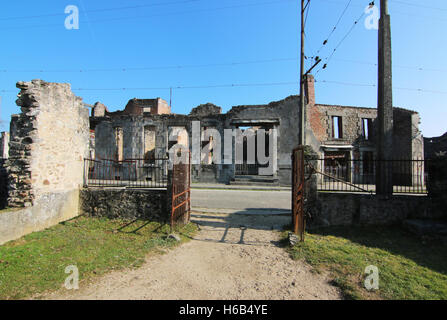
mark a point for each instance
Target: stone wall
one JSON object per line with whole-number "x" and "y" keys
{"x": 49, "y": 141}
{"x": 335, "y": 209}
{"x": 51, "y": 209}
{"x": 148, "y": 204}
{"x": 436, "y": 146}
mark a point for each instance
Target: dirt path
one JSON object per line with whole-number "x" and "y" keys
{"x": 232, "y": 257}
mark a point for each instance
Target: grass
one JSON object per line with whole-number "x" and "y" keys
{"x": 408, "y": 267}
{"x": 36, "y": 263}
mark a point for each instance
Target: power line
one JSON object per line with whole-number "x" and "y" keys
{"x": 328, "y": 59}
{"x": 126, "y": 69}
{"x": 430, "y": 18}
{"x": 334, "y": 28}
{"x": 184, "y": 87}
{"x": 307, "y": 13}
{"x": 156, "y": 15}
{"x": 394, "y": 65}
{"x": 417, "y": 5}
{"x": 353, "y": 84}
{"x": 100, "y": 10}
{"x": 346, "y": 35}
{"x": 229, "y": 64}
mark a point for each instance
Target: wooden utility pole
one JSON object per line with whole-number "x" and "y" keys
{"x": 301, "y": 113}
{"x": 384, "y": 174}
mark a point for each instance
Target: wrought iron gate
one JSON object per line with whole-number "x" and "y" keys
{"x": 181, "y": 193}
{"x": 298, "y": 219}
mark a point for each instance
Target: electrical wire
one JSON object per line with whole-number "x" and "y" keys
{"x": 155, "y": 15}
{"x": 126, "y": 69}
{"x": 334, "y": 28}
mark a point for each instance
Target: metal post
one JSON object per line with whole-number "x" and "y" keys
{"x": 302, "y": 113}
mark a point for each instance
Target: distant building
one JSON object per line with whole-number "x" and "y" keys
{"x": 337, "y": 133}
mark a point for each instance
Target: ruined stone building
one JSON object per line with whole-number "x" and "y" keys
{"x": 55, "y": 146}
{"x": 340, "y": 133}
{"x": 435, "y": 146}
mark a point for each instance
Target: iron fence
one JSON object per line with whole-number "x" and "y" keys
{"x": 339, "y": 174}
{"x": 129, "y": 173}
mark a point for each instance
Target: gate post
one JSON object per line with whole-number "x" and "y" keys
{"x": 179, "y": 191}
{"x": 311, "y": 184}
{"x": 298, "y": 221}
{"x": 304, "y": 187}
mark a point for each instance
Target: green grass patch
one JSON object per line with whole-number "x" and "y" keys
{"x": 36, "y": 263}
{"x": 408, "y": 267}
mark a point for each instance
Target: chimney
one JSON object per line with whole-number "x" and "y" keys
{"x": 309, "y": 87}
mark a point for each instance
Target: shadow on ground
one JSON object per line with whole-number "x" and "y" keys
{"x": 240, "y": 226}
{"x": 396, "y": 240}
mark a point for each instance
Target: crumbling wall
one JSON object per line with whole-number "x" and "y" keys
{"x": 320, "y": 117}
{"x": 205, "y": 110}
{"x": 436, "y": 146}
{"x": 49, "y": 144}
{"x": 49, "y": 141}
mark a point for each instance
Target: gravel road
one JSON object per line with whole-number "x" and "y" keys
{"x": 232, "y": 257}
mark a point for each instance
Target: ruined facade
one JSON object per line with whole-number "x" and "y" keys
{"x": 335, "y": 129}
{"x": 143, "y": 128}
{"x": 435, "y": 147}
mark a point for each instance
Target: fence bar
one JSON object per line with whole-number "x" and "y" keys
{"x": 359, "y": 175}
{"x": 129, "y": 173}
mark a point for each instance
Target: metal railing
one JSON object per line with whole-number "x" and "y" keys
{"x": 408, "y": 176}
{"x": 129, "y": 173}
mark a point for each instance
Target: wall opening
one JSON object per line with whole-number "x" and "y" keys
{"x": 337, "y": 127}
{"x": 118, "y": 143}
{"x": 367, "y": 128}
{"x": 149, "y": 143}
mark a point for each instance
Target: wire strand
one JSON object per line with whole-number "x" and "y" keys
{"x": 334, "y": 28}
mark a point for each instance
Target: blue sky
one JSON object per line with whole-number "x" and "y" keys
{"x": 222, "y": 43}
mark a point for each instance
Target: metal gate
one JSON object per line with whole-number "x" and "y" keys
{"x": 298, "y": 219}
{"x": 181, "y": 193}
